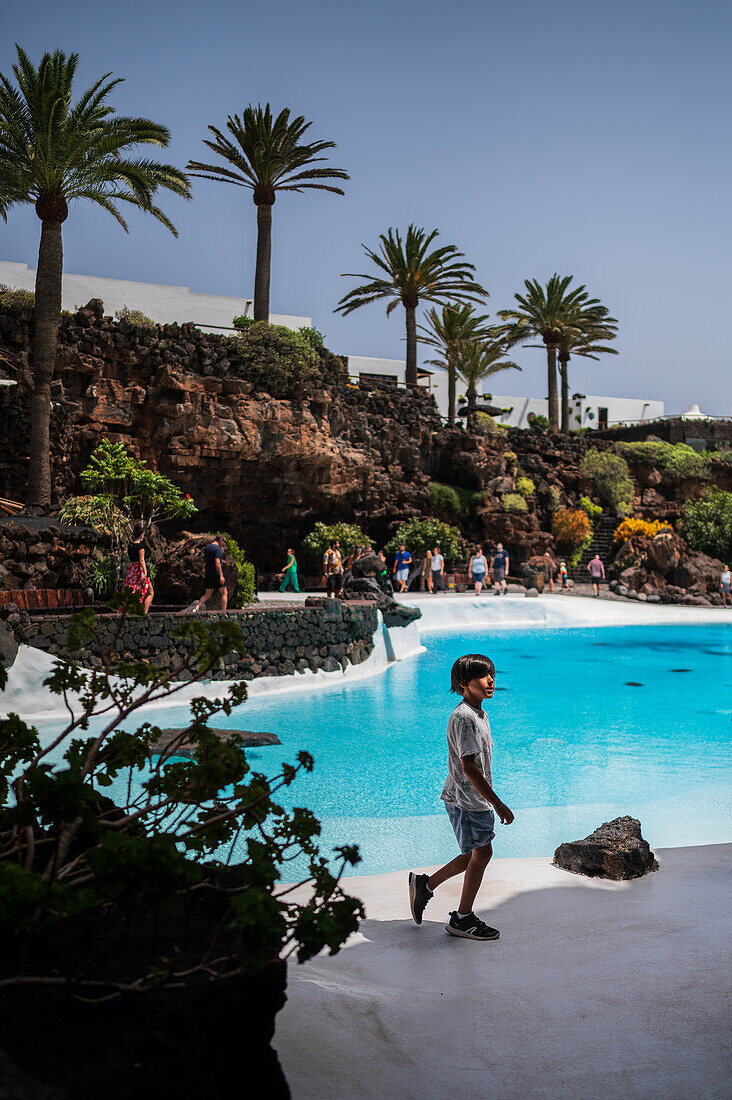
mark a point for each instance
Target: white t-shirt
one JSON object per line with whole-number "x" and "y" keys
{"x": 438, "y": 562}
{"x": 468, "y": 734}
{"x": 726, "y": 578}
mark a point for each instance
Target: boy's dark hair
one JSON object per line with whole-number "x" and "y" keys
{"x": 472, "y": 666}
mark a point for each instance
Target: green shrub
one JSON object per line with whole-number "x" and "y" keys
{"x": 511, "y": 458}
{"x": 246, "y": 585}
{"x": 103, "y": 576}
{"x": 611, "y": 476}
{"x": 275, "y": 358}
{"x": 323, "y": 534}
{"x": 539, "y": 422}
{"x": 135, "y": 317}
{"x": 525, "y": 486}
{"x": 16, "y": 301}
{"x": 313, "y": 336}
{"x": 242, "y": 322}
{"x": 593, "y": 510}
{"x": 514, "y": 503}
{"x": 420, "y": 535}
{"x": 99, "y": 512}
{"x": 675, "y": 459}
{"x": 555, "y": 498}
{"x": 486, "y": 423}
{"x": 81, "y": 869}
{"x": 706, "y": 524}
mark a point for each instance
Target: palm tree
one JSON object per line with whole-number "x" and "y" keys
{"x": 51, "y": 152}
{"x": 477, "y": 360}
{"x": 447, "y": 329}
{"x": 544, "y": 313}
{"x": 595, "y": 325}
{"x": 267, "y": 156}
{"x": 414, "y": 274}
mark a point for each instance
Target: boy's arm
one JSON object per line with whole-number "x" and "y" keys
{"x": 484, "y": 789}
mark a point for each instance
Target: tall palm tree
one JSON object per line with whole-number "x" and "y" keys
{"x": 413, "y": 274}
{"x": 53, "y": 151}
{"x": 544, "y": 312}
{"x": 477, "y": 360}
{"x": 268, "y": 156}
{"x": 446, "y": 330}
{"x": 594, "y": 324}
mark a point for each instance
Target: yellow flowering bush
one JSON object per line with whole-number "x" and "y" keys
{"x": 643, "y": 528}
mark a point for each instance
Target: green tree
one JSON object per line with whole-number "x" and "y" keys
{"x": 447, "y": 330}
{"x": 267, "y": 155}
{"x": 476, "y": 360}
{"x": 54, "y": 151}
{"x": 420, "y": 535}
{"x": 591, "y": 325}
{"x": 706, "y": 524}
{"x": 350, "y": 535}
{"x": 612, "y": 478}
{"x": 413, "y": 274}
{"x": 545, "y": 312}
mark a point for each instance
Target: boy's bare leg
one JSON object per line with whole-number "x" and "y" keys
{"x": 456, "y": 866}
{"x": 206, "y": 596}
{"x": 477, "y": 863}
{"x": 224, "y": 598}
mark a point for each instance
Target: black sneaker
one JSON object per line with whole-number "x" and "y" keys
{"x": 419, "y": 895}
{"x": 471, "y": 928}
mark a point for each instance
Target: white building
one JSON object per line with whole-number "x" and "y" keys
{"x": 585, "y": 410}
{"x": 164, "y": 304}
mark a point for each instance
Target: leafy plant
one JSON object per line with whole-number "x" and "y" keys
{"x": 488, "y": 424}
{"x": 247, "y": 583}
{"x": 539, "y": 422}
{"x": 135, "y": 317}
{"x": 642, "y": 528}
{"x": 514, "y": 503}
{"x": 675, "y": 459}
{"x": 611, "y": 476}
{"x": 313, "y": 336}
{"x": 323, "y": 534}
{"x": 511, "y": 458}
{"x": 78, "y": 869}
{"x": 275, "y": 358}
{"x": 555, "y": 498}
{"x": 98, "y": 512}
{"x": 102, "y": 576}
{"x": 16, "y": 301}
{"x": 420, "y": 535}
{"x": 571, "y": 527}
{"x": 242, "y": 322}
{"x": 131, "y": 488}
{"x": 706, "y": 524}
{"x": 593, "y": 510}
{"x": 525, "y": 486}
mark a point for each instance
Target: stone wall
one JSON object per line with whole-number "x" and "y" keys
{"x": 277, "y": 641}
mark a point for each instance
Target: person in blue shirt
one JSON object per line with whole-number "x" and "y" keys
{"x": 499, "y": 566}
{"x": 402, "y": 561}
{"x": 213, "y": 576}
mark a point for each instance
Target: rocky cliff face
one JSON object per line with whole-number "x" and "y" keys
{"x": 266, "y": 469}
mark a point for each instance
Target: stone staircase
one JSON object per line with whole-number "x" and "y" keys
{"x": 602, "y": 544}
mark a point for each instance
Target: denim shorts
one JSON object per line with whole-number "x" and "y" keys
{"x": 472, "y": 828}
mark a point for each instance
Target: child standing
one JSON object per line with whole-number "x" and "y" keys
{"x": 469, "y": 799}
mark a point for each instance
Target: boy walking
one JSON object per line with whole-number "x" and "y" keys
{"x": 469, "y": 799}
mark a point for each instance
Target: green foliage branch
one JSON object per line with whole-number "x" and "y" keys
{"x": 677, "y": 460}
{"x": 420, "y": 535}
{"x": 16, "y": 301}
{"x": 514, "y": 503}
{"x": 706, "y": 524}
{"x": 72, "y": 862}
{"x": 274, "y": 357}
{"x": 135, "y": 317}
{"x": 247, "y": 583}
{"x": 350, "y": 535}
{"x": 612, "y": 478}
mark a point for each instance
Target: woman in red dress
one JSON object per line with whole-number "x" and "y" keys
{"x": 136, "y": 578}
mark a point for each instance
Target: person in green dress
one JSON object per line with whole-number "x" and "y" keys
{"x": 289, "y": 574}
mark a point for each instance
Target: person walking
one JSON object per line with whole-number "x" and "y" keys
{"x": 478, "y": 567}
{"x": 402, "y": 561}
{"x": 427, "y": 571}
{"x": 137, "y": 579}
{"x": 213, "y": 573}
{"x": 499, "y": 569}
{"x": 333, "y": 570}
{"x": 469, "y": 798}
{"x": 289, "y": 573}
{"x": 725, "y": 584}
{"x": 564, "y": 576}
{"x": 548, "y": 570}
{"x": 438, "y": 571}
{"x": 597, "y": 573}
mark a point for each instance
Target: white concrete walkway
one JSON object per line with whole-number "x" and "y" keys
{"x": 595, "y": 991}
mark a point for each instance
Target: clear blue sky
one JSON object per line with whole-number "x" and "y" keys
{"x": 585, "y": 138}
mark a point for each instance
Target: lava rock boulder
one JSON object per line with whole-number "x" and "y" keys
{"x": 616, "y": 850}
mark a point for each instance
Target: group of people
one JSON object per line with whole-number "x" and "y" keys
{"x": 137, "y": 577}
{"x": 478, "y": 567}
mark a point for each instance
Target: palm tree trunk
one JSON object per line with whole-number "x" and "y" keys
{"x": 411, "y": 312}
{"x": 47, "y": 315}
{"x": 564, "y": 377}
{"x": 451, "y": 391}
{"x": 264, "y": 258}
{"x": 551, "y": 365}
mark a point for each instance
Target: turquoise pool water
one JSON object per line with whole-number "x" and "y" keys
{"x": 587, "y": 724}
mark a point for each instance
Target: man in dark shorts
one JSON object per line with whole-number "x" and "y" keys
{"x": 333, "y": 570}
{"x": 213, "y": 577}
